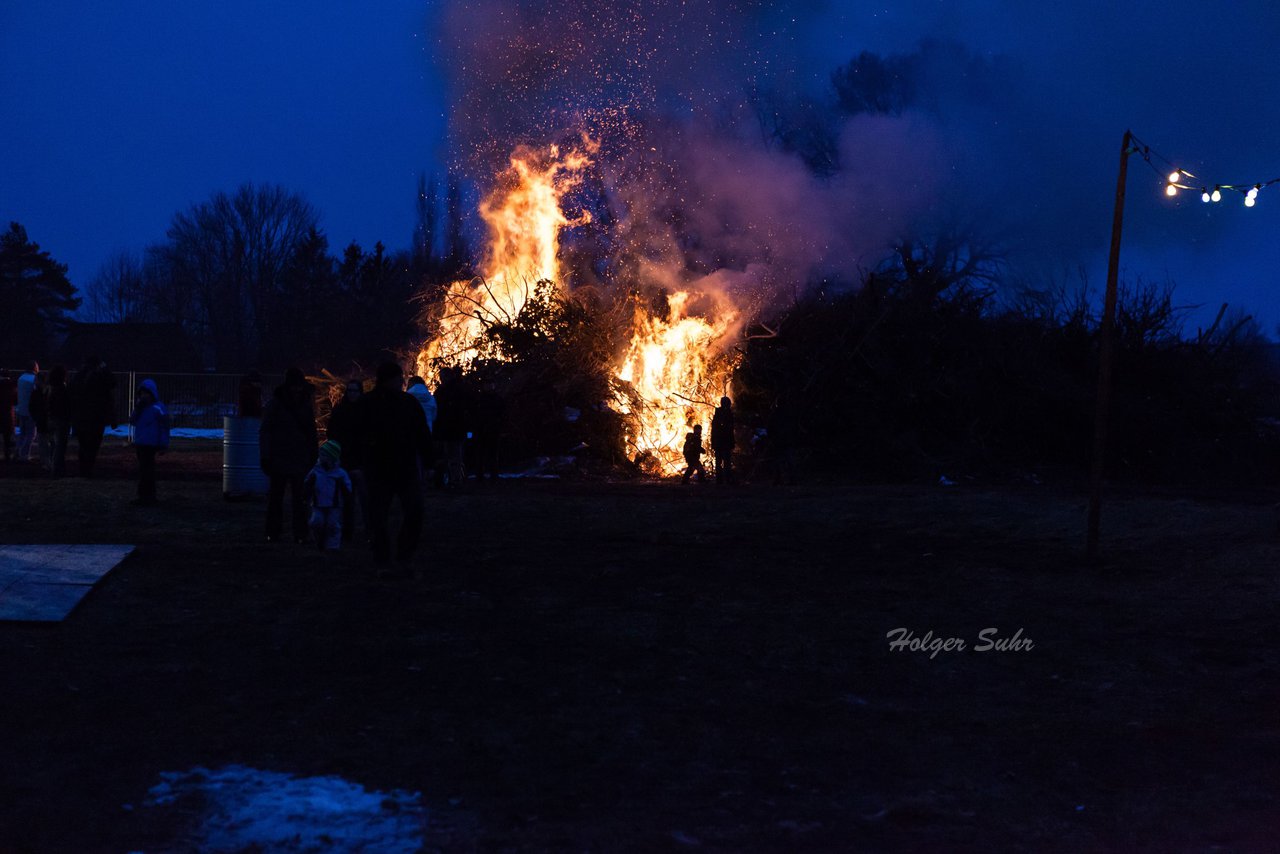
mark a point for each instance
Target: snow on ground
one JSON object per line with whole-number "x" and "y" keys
{"x": 176, "y": 433}
{"x": 245, "y": 809}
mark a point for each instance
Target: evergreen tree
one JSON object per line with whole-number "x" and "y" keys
{"x": 36, "y": 295}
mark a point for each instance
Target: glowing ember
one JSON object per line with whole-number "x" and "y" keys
{"x": 675, "y": 365}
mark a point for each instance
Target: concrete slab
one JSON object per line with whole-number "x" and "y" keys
{"x": 45, "y": 582}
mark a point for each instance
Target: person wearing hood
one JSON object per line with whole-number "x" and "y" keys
{"x": 150, "y": 423}
{"x": 418, "y": 388}
{"x": 329, "y": 488}
{"x": 287, "y": 448}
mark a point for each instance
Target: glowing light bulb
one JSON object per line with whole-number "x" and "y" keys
{"x": 1253, "y": 193}
{"x": 1173, "y": 178}
{"x": 1171, "y": 190}
{"x": 1250, "y": 201}
{"x": 1204, "y": 197}
{"x": 1216, "y": 196}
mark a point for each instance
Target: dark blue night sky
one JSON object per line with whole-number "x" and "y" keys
{"x": 117, "y": 116}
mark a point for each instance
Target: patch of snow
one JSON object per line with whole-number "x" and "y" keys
{"x": 175, "y": 433}
{"x": 247, "y": 809}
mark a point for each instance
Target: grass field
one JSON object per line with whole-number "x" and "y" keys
{"x": 645, "y": 666}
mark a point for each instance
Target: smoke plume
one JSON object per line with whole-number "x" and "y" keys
{"x": 691, "y": 185}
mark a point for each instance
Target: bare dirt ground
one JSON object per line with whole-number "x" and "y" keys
{"x": 646, "y": 667}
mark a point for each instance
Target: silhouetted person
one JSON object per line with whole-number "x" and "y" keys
{"x": 249, "y": 396}
{"x": 287, "y": 446}
{"x": 150, "y": 423}
{"x": 453, "y": 418}
{"x": 418, "y": 388}
{"x": 328, "y": 488}
{"x": 8, "y": 398}
{"x": 490, "y": 418}
{"x": 93, "y": 407}
{"x": 38, "y": 408}
{"x": 722, "y": 441}
{"x": 693, "y": 455}
{"x": 53, "y": 442}
{"x": 26, "y": 421}
{"x": 343, "y": 427}
{"x": 395, "y": 444}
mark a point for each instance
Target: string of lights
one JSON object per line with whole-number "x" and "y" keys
{"x": 1180, "y": 179}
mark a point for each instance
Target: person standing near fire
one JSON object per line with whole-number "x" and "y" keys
{"x": 92, "y": 409}
{"x": 26, "y": 422}
{"x": 722, "y": 441}
{"x": 453, "y": 421}
{"x": 287, "y": 447}
{"x": 490, "y": 417}
{"x": 394, "y": 446}
{"x": 693, "y": 455}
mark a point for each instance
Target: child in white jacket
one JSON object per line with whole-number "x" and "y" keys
{"x": 328, "y": 486}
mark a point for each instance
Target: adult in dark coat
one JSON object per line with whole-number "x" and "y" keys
{"x": 453, "y": 420}
{"x": 722, "y": 443}
{"x": 59, "y": 419}
{"x": 287, "y": 446}
{"x": 343, "y": 427}
{"x": 92, "y": 409}
{"x": 394, "y": 445}
{"x": 8, "y": 399}
{"x": 490, "y": 419}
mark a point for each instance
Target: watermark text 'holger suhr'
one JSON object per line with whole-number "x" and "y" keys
{"x": 989, "y": 640}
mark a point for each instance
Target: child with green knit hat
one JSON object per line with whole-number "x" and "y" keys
{"x": 328, "y": 486}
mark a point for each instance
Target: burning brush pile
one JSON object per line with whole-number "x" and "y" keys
{"x": 649, "y": 360}
{"x": 621, "y": 265}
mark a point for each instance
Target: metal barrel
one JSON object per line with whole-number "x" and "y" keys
{"x": 241, "y": 473}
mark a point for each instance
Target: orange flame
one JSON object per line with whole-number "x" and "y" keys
{"x": 524, "y": 220}
{"x": 676, "y": 364}
{"x": 674, "y": 370}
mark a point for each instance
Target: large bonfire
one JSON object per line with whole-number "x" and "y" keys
{"x": 675, "y": 359}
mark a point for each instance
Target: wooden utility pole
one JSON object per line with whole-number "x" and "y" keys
{"x": 1106, "y": 355}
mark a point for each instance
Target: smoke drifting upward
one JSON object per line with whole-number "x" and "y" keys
{"x": 689, "y": 186}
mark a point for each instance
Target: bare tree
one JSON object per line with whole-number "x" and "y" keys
{"x": 117, "y": 292}
{"x": 424, "y": 232}
{"x": 231, "y": 251}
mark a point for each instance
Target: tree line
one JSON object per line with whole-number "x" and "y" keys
{"x": 938, "y": 361}
{"x": 250, "y": 277}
